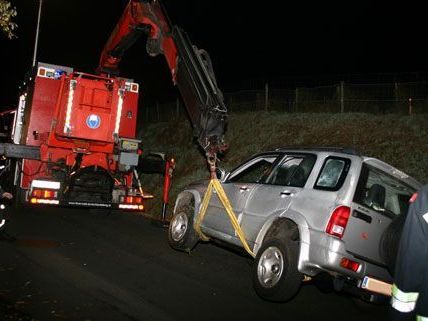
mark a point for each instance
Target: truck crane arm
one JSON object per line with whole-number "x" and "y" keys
{"x": 190, "y": 67}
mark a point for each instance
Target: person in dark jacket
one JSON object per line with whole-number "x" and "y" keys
{"x": 3, "y": 194}
{"x": 410, "y": 289}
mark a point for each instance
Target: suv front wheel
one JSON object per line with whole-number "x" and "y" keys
{"x": 275, "y": 274}
{"x": 181, "y": 234}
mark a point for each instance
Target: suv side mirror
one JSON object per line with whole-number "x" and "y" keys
{"x": 221, "y": 174}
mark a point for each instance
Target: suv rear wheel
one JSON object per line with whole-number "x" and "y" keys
{"x": 181, "y": 234}
{"x": 275, "y": 274}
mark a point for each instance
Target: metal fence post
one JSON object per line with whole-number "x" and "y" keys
{"x": 410, "y": 106}
{"x": 396, "y": 96}
{"x": 157, "y": 111}
{"x": 296, "y": 99}
{"x": 266, "y": 96}
{"x": 342, "y": 96}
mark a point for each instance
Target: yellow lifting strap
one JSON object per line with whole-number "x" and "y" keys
{"x": 215, "y": 185}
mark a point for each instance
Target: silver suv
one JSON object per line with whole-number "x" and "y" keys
{"x": 303, "y": 212}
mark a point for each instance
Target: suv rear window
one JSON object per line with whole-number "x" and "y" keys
{"x": 382, "y": 192}
{"x": 333, "y": 173}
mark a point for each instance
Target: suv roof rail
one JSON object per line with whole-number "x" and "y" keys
{"x": 345, "y": 150}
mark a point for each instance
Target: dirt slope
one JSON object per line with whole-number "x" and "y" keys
{"x": 397, "y": 139}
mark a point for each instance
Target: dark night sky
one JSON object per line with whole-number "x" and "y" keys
{"x": 296, "y": 42}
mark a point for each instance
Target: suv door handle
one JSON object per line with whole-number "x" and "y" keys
{"x": 244, "y": 188}
{"x": 362, "y": 216}
{"x": 286, "y": 193}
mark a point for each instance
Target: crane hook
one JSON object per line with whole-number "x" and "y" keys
{"x": 212, "y": 161}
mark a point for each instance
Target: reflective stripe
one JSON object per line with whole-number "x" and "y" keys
{"x": 403, "y": 301}
{"x": 421, "y": 318}
{"x": 402, "y": 306}
{"x": 119, "y": 111}
{"x": 425, "y": 216}
{"x": 67, "y": 125}
{"x": 404, "y": 296}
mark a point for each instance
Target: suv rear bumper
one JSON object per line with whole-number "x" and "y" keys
{"x": 324, "y": 253}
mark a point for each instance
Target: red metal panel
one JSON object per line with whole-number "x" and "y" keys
{"x": 128, "y": 121}
{"x": 31, "y": 169}
{"x": 38, "y": 118}
{"x": 40, "y": 110}
{"x": 89, "y": 113}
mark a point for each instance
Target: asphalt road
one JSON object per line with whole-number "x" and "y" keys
{"x": 82, "y": 265}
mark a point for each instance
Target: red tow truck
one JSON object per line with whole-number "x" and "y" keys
{"x": 74, "y": 135}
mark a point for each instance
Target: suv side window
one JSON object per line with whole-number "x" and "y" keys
{"x": 382, "y": 192}
{"x": 293, "y": 171}
{"x": 259, "y": 169}
{"x": 333, "y": 173}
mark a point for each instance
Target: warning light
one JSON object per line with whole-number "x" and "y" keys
{"x": 58, "y": 73}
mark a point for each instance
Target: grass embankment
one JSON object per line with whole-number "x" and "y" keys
{"x": 396, "y": 139}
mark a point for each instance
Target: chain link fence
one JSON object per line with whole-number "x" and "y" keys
{"x": 399, "y": 98}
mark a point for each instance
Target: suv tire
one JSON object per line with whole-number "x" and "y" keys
{"x": 275, "y": 274}
{"x": 390, "y": 241}
{"x": 181, "y": 234}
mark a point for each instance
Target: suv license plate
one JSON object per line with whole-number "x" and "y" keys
{"x": 377, "y": 286}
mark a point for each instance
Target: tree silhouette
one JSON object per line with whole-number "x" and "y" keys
{"x": 7, "y": 12}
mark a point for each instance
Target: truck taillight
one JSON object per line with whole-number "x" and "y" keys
{"x": 44, "y": 196}
{"x": 44, "y": 193}
{"x": 132, "y": 200}
{"x": 337, "y": 224}
{"x": 131, "y": 203}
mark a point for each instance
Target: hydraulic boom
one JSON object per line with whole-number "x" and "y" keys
{"x": 191, "y": 68}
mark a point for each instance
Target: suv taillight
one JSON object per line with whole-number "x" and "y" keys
{"x": 338, "y": 220}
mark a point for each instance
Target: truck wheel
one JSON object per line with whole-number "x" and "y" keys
{"x": 181, "y": 234}
{"x": 275, "y": 274}
{"x": 19, "y": 198}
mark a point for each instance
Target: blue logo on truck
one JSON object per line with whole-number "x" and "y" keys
{"x": 93, "y": 121}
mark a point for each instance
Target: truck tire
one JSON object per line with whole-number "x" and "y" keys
{"x": 390, "y": 241}
{"x": 181, "y": 234}
{"x": 19, "y": 199}
{"x": 275, "y": 274}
